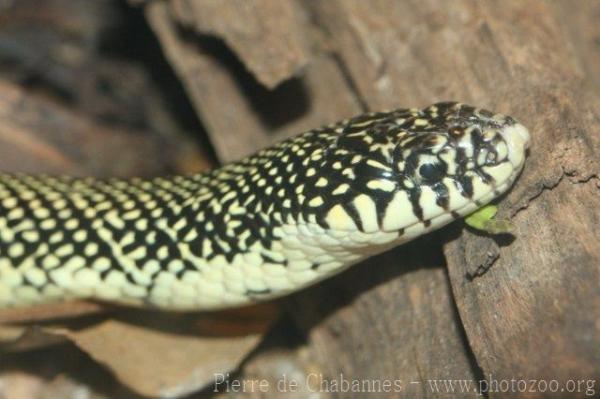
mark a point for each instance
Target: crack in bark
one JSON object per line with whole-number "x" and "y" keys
{"x": 352, "y": 86}
{"x": 549, "y": 187}
{"x": 583, "y": 180}
{"x": 544, "y": 187}
{"x": 337, "y": 58}
{"x": 482, "y": 269}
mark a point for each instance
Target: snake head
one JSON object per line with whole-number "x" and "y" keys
{"x": 426, "y": 167}
{"x": 459, "y": 142}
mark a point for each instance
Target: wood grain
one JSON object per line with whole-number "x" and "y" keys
{"x": 240, "y": 24}
{"x": 38, "y": 136}
{"x": 239, "y": 114}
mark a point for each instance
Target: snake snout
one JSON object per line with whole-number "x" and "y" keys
{"x": 517, "y": 138}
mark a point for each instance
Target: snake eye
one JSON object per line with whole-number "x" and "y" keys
{"x": 433, "y": 172}
{"x": 490, "y": 158}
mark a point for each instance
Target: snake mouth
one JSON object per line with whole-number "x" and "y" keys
{"x": 469, "y": 206}
{"x": 517, "y": 138}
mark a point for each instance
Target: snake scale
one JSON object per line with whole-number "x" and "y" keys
{"x": 265, "y": 226}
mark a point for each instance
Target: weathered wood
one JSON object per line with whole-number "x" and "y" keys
{"x": 239, "y": 114}
{"x": 241, "y": 24}
{"x": 39, "y": 136}
{"x": 535, "y": 312}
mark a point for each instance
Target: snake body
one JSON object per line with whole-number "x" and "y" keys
{"x": 265, "y": 226}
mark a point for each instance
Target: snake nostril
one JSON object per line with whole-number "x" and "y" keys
{"x": 456, "y": 131}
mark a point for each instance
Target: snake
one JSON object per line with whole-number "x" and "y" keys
{"x": 265, "y": 226}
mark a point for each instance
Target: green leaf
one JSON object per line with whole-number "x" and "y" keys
{"x": 483, "y": 219}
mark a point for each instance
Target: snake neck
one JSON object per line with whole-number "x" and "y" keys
{"x": 228, "y": 237}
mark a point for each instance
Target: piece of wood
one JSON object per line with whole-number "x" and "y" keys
{"x": 159, "y": 363}
{"x": 240, "y": 24}
{"x": 539, "y": 302}
{"x": 38, "y": 136}
{"x": 239, "y": 114}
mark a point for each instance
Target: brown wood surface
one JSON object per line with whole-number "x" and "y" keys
{"x": 38, "y": 136}
{"x": 239, "y": 113}
{"x": 520, "y": 307}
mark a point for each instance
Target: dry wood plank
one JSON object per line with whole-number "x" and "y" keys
{"x": 535, "y": 312}
{"x": 278, "y": 25}
{"x": 239, "y": 114}
{"x": 39, "y": 136}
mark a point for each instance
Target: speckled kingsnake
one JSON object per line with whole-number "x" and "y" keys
{"x": 286, "y": 217}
